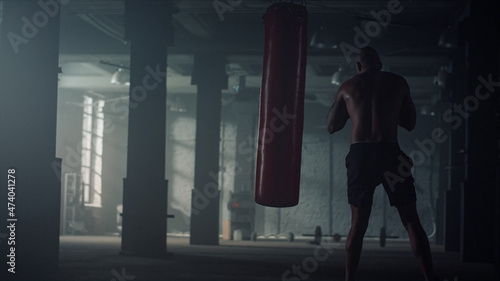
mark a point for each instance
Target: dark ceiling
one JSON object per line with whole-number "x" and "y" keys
{"x": 93, "y": 31}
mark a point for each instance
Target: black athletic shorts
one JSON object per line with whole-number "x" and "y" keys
{"x": 372, "y": 163}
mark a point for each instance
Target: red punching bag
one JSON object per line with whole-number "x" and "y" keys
{"x": 282, "y": 106}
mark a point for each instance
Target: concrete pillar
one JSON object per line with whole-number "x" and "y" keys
{"x": 148, "y": 28}
{"x": 209, "y": 75}
{"x": 246, "y": 109}
{"x": 456, "y": 166}
{"x": 443, "y": 178}
{"x": 482, "y": 133}
{"x": 497, "y": 218}
{"x": 28, "y": 108}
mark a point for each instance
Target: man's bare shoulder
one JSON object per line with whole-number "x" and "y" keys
{"x": 393, "y": 77}
{"x": 374, "y": 75}
{"x": 383, "y": 77}
{"x": 350, "y": 84}
{"x": 345, "y": 87}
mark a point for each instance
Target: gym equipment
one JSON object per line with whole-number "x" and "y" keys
{"x": 317, "y": 235}
{"x": 282, "y": 106}
{"x": 384, "y": 222}
{"x": 242, "y": 212}
{"x": 336, "y": 237}
{"x": 382, "y": 237}
{"x": 290, "y": 237}
{"x": 253, "y": 236}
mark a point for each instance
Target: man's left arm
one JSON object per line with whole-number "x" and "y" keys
{"x": 337, "y": 115}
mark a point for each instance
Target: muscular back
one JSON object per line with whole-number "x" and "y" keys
{"x": 377, "y": 102}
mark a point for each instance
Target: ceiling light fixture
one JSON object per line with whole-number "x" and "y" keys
{"x": 441, "y": 77}
{"x": 449, "y": 37}
{"x": 322, "y": 39}
{"x": 121, "y": 77}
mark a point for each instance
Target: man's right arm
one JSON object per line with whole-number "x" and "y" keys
{"x": 407, "y": 114}
{"x": 338, "y": 114}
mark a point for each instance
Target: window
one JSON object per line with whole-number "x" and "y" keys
{"x": 92, "y": 135}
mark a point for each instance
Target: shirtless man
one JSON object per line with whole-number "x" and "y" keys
{"x": 377, "y": 102}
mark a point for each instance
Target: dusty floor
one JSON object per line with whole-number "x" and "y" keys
{"x": 97, "y": 258}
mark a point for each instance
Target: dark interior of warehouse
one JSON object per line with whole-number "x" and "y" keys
{"x": 249, "y": 140}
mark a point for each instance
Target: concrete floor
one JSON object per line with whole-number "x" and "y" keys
{"x": 96, "y": 258}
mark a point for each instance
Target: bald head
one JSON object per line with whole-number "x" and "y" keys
{"x": 368, "y": 60}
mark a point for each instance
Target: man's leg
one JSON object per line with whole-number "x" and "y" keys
{"x": 354, "y": 242}
{"x": 418, "y": 238}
